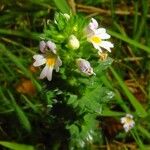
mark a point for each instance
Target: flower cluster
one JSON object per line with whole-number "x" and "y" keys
{"x": 52, "y": 53}
{"x": 128, "y": 122}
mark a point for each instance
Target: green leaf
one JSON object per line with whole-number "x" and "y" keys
{"x": 16, "y": 146}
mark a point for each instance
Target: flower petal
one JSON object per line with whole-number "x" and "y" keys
{"x": 126, "y": 127}
{"x": 58, "y": 64}
{"x": 93, "y": 24}
{"x": 42, "y": 46}
{"x": 107, "y": 45}
{"x": 51, "y": 46}
{"x": 97, "y": 47}
{"x": 44, "y": 72}
{"x": 38, "y": 56}
{"x": 39, "y": 62}
{"x": 104, "y": 36}
{"x": 100, "y": 31}
{"x": 123, "y": 120}
{"x": 49, "y": 73}
{"x": 129, "y": 115}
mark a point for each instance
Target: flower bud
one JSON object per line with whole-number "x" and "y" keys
{"x": 73, "y": 42}
{"x": 84, "y": 66}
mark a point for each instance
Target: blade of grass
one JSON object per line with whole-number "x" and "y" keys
{"x": 21, "y": 115}
{"x": 107, "y": 112}
{"x": 18, "y": 44}
{"x": 31, "y": 105}
{"x": 138, "y": 107}
{"x": 112, "y": 10}
{"x": 6, "y": 68}
{"x": 14, "y": 59}
{"x": 120, "y": 28}
{"x": 27, "y": 34}
{"x": 121, "y": 102}
{"x": 144, "y": 131}
{"x": 16, "y": 146}
{"x": 129, "y": 41}
{"x": 145, "y": 6}
{"x": 62, "y": 6}
{"x": 136, "y": 5}
{"x": 118, "y": 97}
{"x": 137, "y": 139}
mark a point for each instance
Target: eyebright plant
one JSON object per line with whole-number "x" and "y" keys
{"x": 73, "y": 57}
{"x": 63, "y": 40}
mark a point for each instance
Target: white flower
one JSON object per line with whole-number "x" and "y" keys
{"x": 73, "y": 42}
{"x": 50, "y": 59}
{"x": 128, "y": 122}
{"x": 98, "y": 36}
{"x": 84, "y": 66}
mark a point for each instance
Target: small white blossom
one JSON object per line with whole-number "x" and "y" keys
{"x": 49, "y": 58}
{"x": 84, "y": 66}
{"x": 73, "y": 42}
{"x": 98, "y": 36}
{"x": 128, "y": 122}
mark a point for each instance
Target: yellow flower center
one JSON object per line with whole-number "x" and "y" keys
{"x": 51, "y": 61}
{"x": 96, "y": 39}
{"x": 128, "y": 120}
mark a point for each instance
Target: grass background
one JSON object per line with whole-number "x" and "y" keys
{"x": 21, "y": 23}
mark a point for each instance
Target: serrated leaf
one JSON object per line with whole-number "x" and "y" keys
{"x": 91, "y": 99}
